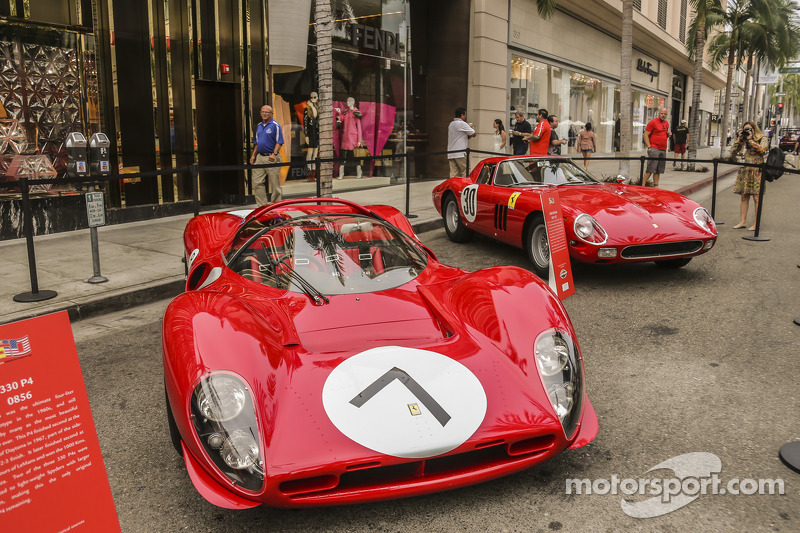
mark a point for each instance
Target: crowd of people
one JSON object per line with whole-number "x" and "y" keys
{"x": 542, "y": 139}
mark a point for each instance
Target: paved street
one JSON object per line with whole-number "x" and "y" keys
{"x": 701, "y": 359}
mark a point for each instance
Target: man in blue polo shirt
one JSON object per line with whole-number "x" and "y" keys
{"x": 268, "y": 142}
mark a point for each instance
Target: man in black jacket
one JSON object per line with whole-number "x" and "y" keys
{"x": 521, "y": 127}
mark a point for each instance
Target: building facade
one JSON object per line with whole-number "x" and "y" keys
{"x": 569, "y": 64}
{"x": 174, "y": 83}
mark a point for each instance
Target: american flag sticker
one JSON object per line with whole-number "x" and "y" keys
{"x": 11, "y": 349}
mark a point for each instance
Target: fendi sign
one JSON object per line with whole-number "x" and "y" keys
{"x": 374, "y": 39}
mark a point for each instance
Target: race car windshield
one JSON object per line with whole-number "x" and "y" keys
{"x": 331, "y": 253}
{"x": 557, "y": 171}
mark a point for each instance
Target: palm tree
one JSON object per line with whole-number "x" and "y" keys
{"x": 763, "y": 28}
{"x": 707, "y": 15}
{"x": 323, "y": 17}
{"x": 625, "y": 118}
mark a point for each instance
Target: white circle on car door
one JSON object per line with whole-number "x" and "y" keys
{"x": 469, "y": 202}
{"x": 404, "y": 402}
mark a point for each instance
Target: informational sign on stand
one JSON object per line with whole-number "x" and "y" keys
{"x": 52, "y": 476}
{"x": 560, "y": 268}
{"x": 95, "y": 209}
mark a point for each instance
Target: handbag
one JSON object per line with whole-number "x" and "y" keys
{"x": 361, "y": 151}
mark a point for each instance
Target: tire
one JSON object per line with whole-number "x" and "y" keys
{"x": 674, "y": 263}
{"x": 453, "y": 225}
{"x": 538, "y": 248}
{"x": 173, "y": 427}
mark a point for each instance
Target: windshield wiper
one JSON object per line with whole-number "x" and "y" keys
{"x": 316, "y": 296}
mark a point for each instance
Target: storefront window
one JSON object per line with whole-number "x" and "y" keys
{"x": 369, "y": 72}
{"x": 577, "y": 98}
{"x": 49, "y": 88}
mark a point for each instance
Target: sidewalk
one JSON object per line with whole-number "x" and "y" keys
{"x": 142, "y": 260}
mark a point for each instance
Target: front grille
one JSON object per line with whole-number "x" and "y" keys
{"x": 376, "y": 476}
{"x": 667, "y": 249}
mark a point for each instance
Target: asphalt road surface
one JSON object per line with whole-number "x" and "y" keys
{"x": 697, "y": 360}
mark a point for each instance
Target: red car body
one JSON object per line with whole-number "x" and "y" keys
{"x": 501, "y": 199}
{"x": 257, "y": 373}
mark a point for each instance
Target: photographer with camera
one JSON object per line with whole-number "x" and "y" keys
{"x": 748, "y": 182}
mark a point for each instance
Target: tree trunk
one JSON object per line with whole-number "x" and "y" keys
{"x": 625, "y": 120}
{"x": 324, "y": 26}
{"x": 697, "y": 85}
{"x": 743, "y": 116}
{"x": 726, "y": 103}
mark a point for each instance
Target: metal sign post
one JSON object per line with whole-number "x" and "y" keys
{"x": 96, "y": 215}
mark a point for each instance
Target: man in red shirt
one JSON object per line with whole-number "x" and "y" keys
{"x": 540, "y": 138}
{"x": 655, "y": 138}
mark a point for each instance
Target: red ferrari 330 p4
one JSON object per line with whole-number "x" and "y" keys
{"x": 322, "y": 355}
{"x": 605, "y": 222}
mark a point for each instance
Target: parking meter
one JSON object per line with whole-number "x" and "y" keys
{"x": 99, "y": 148}
{"x": 77, "y": 163}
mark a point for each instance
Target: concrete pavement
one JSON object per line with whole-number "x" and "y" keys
{"x": 142, "y": 260}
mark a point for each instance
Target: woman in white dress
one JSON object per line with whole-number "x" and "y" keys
{"x": 499, "y": 137}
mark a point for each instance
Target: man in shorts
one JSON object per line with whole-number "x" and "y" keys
{"x": 681, "y": 138}
{"x": 655, "y": 138}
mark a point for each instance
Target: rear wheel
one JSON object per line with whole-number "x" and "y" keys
{"x": 674, "y": 263}
{"x": 538, "y": 248}
{"x": 453, "y": 225}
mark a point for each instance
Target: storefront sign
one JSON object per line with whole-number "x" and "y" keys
{"x": 560, "y": 267}
{"x": 374, "y": 39}
{"x": 52, "y": 476}
{"x": 646, "y": 67}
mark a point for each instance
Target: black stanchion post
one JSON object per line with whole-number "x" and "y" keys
{"x": 195, "y": 188}
{"x": 755, "y": 236}
{"x": 408, "y": 187}
{"x": 641, "y": 172}
{"x": 714, "y": 192}
{"x": 318, "y": 167}
{"x": 468, "y": 167}
{"x": 35, "y": 295}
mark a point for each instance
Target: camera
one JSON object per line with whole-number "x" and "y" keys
{"x": 744, "y": 134}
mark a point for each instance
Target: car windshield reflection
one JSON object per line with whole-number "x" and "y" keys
{"x": 334, "y": 253}
{"x": 557, "y": 171}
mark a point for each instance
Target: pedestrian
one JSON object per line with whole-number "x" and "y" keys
{"x": 540, "y": 136}
{"x": 500, "y": 137}
{"x": 587, "y": 143}
{"x": 571, "y": 135}
{"x": 681, "y": 138}
{"x": 458, "y": 133}
{"x": 748, "y": 182}
{"x": 555, "y": 142}
{"x": 521, "y": 128}
{"x": 268, "y": 142}
{"x": 656, "y": 135}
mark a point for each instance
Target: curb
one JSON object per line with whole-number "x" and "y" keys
{"x": 694, "y": 187}
{"x": 117, "y": 301}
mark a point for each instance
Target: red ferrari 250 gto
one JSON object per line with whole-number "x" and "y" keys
{"x": 605, "y": 222}
{"x": 322, "y": 355}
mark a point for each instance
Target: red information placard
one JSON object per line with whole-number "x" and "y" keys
{"x": 560, "y": 268}
{"x": 52, "y": 476}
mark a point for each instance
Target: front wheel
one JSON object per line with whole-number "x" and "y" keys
{"x": 674, "y": 263}
{"x": 453, "y": 225}
{"x": 538, "y": 248}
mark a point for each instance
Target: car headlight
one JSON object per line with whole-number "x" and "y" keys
{"x": 589, "y": 230}
{"x": 220, "y": 397}
{"x": 704, "y": 220}
{"x": 224, "y": 418}
{"x": 561, "y": 373}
